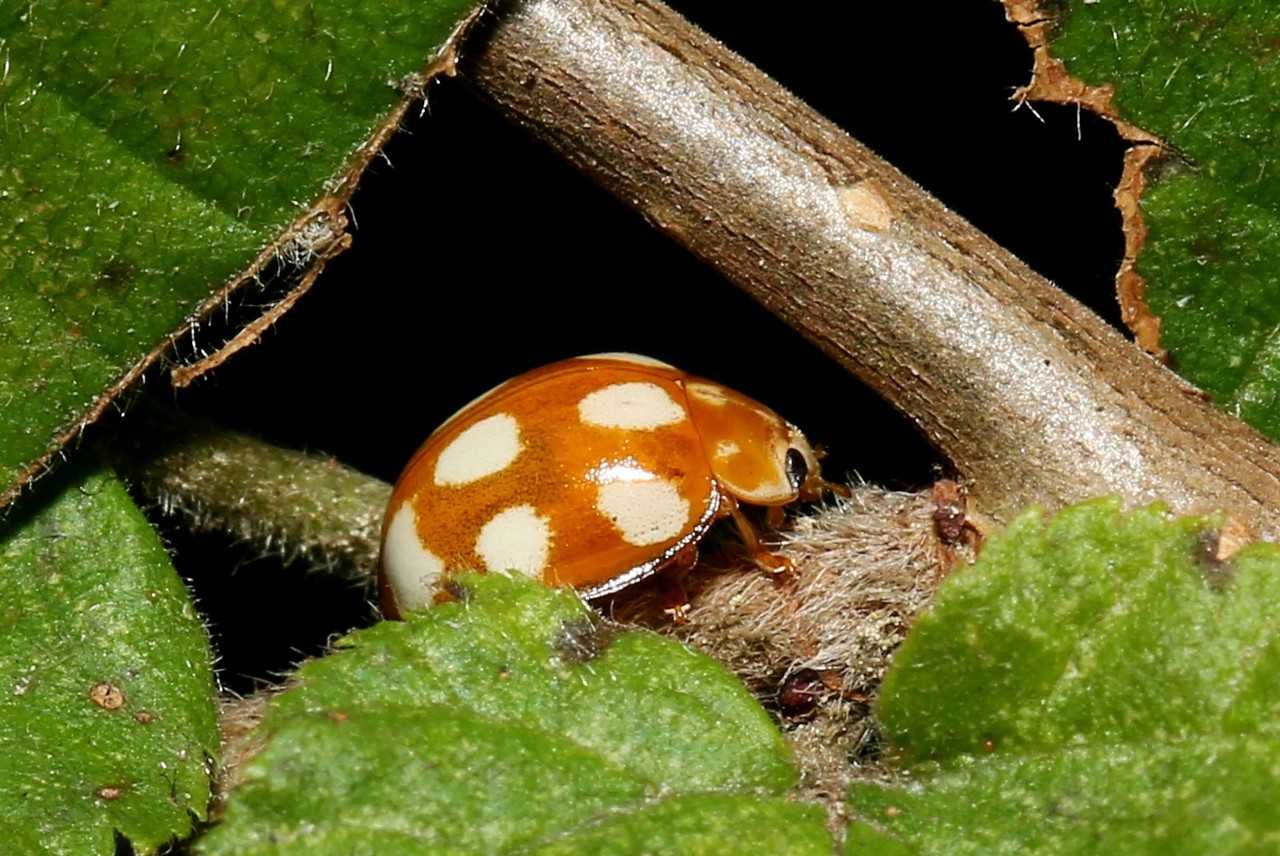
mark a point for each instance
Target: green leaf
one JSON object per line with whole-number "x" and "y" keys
{"x": 107, "y": 711}
{"x": 516, "y": 720}
{"x": 151, "y": 152}
{"x": 1096, "y": 684}
{"x": 1204, "y": 77}
{"x": 702, "y": 823}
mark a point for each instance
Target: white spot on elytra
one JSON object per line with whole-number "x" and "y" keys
{"x": 485, "y": 448}
{"x": 516, "y": 539}
{"x": 634, "y": 405}
{"x": 645, "y": 512}
{"x": 412, "y": 570}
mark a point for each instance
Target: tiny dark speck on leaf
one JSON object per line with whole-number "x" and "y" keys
{"x": 1206, "y": 250}
{"x": 175, "y": 155}
{"x": 116, "y": 275}
{"x": 456, "y": 591}
{"x": 582, "y": 640}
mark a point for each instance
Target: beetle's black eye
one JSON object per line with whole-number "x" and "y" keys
{"x": 797, "y": 468}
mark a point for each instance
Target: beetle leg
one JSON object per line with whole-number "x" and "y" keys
{"x": 675, "y": 599}
{"x": 760, "y": 554}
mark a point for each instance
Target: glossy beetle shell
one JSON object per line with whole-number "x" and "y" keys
{"x": 594, "y": 472}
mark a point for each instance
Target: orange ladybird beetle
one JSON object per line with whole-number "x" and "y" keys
{"x": 595, "y": 472}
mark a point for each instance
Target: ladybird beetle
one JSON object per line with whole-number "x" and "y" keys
{"x": 595, "y": 472}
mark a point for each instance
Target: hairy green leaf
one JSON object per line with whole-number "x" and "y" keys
{"x": 151, "y": 153}
{"x": 107, "y": 714}
{"x": 1100, "y": 683}
{"x": 516, "y": 720}
{"x": 1203, "y": 76}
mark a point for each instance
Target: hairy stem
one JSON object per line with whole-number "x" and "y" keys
{"x": 293, "y": 504}
{"x": 1032, "y": 397}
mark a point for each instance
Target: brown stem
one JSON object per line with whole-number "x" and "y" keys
{"x": 1031, "y": 396}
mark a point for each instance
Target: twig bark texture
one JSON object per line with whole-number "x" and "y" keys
{"x": 1032, "y": 397}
